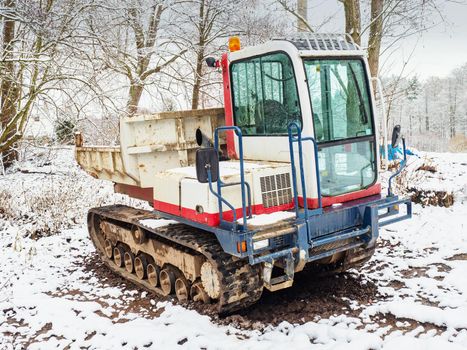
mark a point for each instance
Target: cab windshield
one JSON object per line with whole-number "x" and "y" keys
{"x": 343, "y": 124}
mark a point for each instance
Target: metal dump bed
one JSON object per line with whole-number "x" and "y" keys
{"x": 149, "y": 143}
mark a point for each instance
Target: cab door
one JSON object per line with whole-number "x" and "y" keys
{"x": 265, "y": 100}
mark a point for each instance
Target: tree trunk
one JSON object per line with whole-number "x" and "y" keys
{"x": 452, "y": 108}
{"x": 302, "y": 11}
{"x": 199, "y": 57}
{"x": 9, "y": 89}
{"x": 427, "y": 117}
{"x": 197, "y": 85}
{"x": 353, "y": 22}
{"x": 376, "y": 34}
{"x": 134, "y": 95}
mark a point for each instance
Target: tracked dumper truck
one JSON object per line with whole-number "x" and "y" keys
{"x": 283, "y": 178}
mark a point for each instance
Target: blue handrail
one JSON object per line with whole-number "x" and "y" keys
{"x": 238, "y": 132}
{"x": 298, "y": 139}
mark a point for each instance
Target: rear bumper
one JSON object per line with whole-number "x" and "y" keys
{"x": 350, "y": 226}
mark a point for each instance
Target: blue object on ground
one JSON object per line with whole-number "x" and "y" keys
{"x": 396, "y": 152}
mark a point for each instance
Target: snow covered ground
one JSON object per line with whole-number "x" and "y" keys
{"x": 52, "y": 295}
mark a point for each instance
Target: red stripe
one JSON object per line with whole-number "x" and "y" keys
{"x": 228, "y": 109}
{"x": 212, "y": 219}
{"x": 328, "y": 201}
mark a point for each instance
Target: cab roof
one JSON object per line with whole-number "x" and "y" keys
{"x": 304, "y": 45}
{"x": 321, "y": 42}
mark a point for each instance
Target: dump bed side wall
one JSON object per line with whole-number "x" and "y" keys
{"x": 150, "y": 143}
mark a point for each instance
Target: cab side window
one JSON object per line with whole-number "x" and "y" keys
{"x": 265, "y": 96}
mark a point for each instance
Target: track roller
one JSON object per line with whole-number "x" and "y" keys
{"x": 119, "y": 252}
{"x": 109, "y": 249}
{"x": 167, "y": 280}
{"x": 182, "y": 289}
{"x": 139, "y": 236}
{"x": 140, "y": 267}
{"x": 129, "y": 259}
{"x": 153, "y": 271}
{"x": 198, "y": 293}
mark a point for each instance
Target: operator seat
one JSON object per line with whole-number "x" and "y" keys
{"x": 271, "y": 117}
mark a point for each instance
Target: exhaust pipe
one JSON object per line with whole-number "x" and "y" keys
{"x": 202, "y": 140}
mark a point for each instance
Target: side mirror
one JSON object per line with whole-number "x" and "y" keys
{"x": 396, "y": 136}
{"x": 207, "y": 159}
{"x": 211, "y": 62}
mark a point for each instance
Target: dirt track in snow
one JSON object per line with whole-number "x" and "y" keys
{"x": 311, "y": 298}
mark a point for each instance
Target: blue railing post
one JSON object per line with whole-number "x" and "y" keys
{"x": 238, "y": 132}
{"x": 220, "y": 199}
{"x": 294, "y": 171}
{"x": 298, "y": 139}
{"x": 318, "y": 177}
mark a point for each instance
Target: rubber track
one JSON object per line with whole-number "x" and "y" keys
{"x": 241, "y": 283}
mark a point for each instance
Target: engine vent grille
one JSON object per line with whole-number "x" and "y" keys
{"x": 276, "y": 190}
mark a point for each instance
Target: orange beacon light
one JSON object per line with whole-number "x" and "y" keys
{"x": 234, "y": 44}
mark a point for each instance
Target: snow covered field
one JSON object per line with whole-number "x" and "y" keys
{"x": 53, "y": 295}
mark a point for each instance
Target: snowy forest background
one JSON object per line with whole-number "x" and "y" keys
{"x": 80, "y": 64}
{"x": 433, "y": 111}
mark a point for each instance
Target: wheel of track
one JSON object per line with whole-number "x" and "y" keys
{"x": 198, "y": 293}
{"x": 139, "y": 236}
{"x": 182, "y": 289}
{"x": 153, "y": 271}
{"x": 141, "y": 266}
{"x": 129, "y": 259}
{"x": 109, "y": 249}
{"x": 119, "y": 252}
{"x": 167, "y": 280}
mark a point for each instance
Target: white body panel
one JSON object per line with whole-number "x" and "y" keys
{"x": 180, "y": 188}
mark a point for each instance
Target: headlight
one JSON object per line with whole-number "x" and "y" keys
{"x": 260, "y": 244}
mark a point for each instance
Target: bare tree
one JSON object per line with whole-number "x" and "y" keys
{"x": 299, "y": 10}
{"x": 9, "y": 88}
{"x": 131, "y": 43}
{"x": 203, "y": 28}
{"x": 34, "y": 60}
{"x": 258, "y": 21}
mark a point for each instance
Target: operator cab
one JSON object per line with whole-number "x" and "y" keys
{"x": 322, "y": 83}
